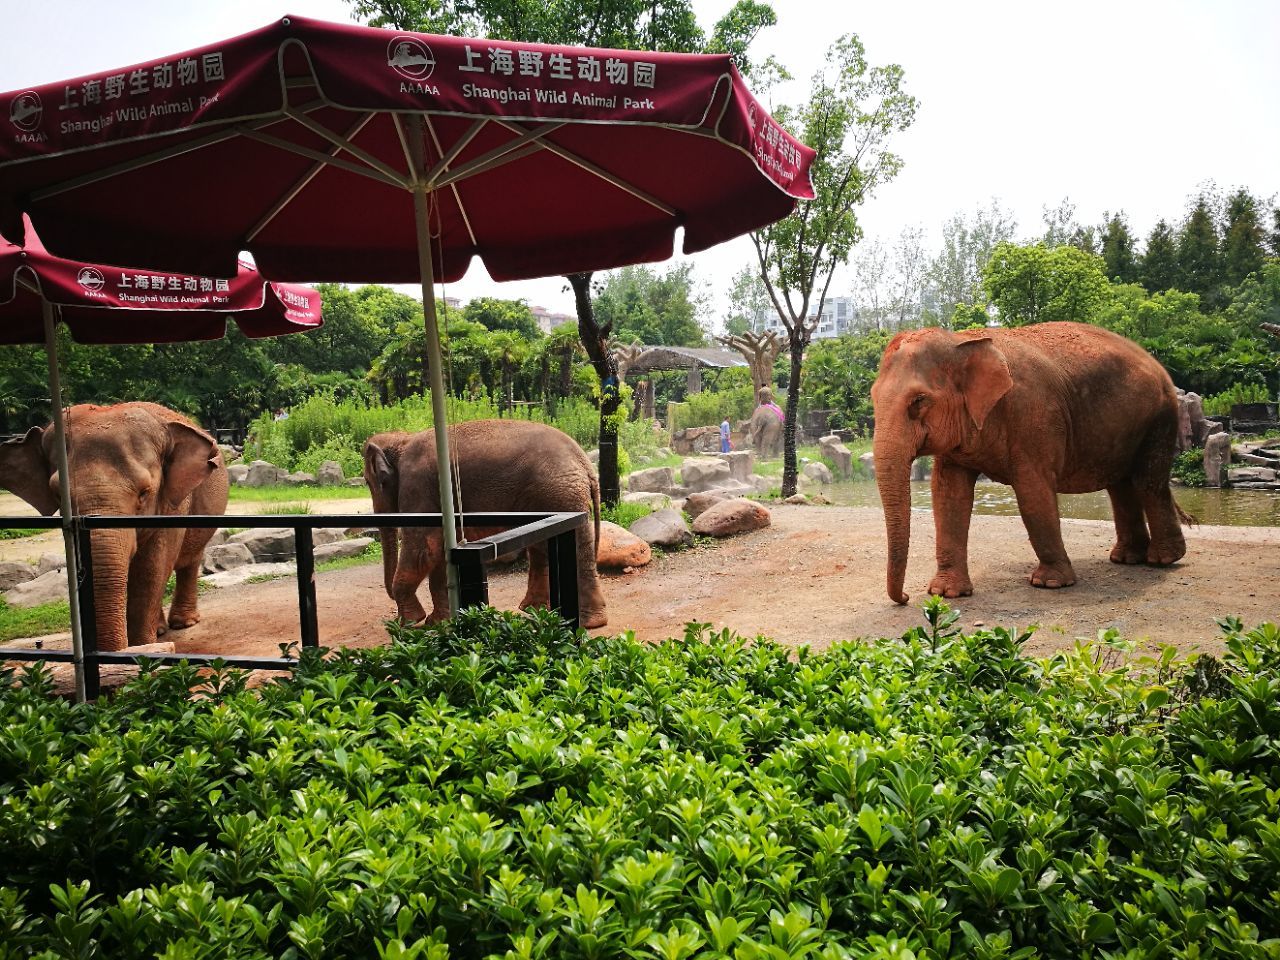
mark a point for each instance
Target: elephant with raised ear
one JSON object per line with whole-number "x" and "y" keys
{"x": 130, "y": 459}
{"x": 502, "y": 466}
{"x": 1048, "y": 409}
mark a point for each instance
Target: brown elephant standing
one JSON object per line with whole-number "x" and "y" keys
{"x": 131, "y": 459}
{"x": 1048, "y": 409}
{"x": 502, "y": 466}
{"x": 765, "y": 426}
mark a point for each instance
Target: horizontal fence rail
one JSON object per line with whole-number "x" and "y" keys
{"x": 526, "y": 529}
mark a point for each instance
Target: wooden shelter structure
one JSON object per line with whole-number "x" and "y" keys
{"x": 692, "y": 359}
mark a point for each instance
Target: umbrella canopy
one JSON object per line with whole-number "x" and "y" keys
{"x": 105, "y": 304}
{"x": 298, "y": 141}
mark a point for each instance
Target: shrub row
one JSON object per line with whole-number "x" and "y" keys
{"x": 501, "y": 787}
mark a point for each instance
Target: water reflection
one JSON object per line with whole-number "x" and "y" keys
{"x": 1235, "y": 508}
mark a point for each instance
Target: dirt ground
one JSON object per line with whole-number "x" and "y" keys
{"x": 816, "y": 576}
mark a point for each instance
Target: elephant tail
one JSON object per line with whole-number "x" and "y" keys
{"x": 1186, "y": 519}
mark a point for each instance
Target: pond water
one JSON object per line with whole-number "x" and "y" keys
{"x": 1234, "y": 508}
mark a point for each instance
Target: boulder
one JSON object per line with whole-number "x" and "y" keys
{"x": 834, "y": 450}
{"x": 322, "y": 535}
{"x": 819, "y": 472}
{"x": 764, "y": 484}
{"x": 47, "y": 588}
{"x": 341, "y": 549}
{"x": 697, "y": 504}
{"x": 798, "y": 499}
{"x": 732, "y": 488}
{"x": 663, "y": 528}
{"x": 703, "y": 473}
{"x": 330, "y": 474}
{"x": 12, "y": 574}
{"x": 653, "y": 480}
{"x": 238, "y": 473}
{"x": 299, "y": 479}
{"x": 868, "y": 461}
{"x": 355, "y": 481}
{"x": 620, "y": 548}
{"x": 662, "y": 453}
{"x": 51, "y": 561}
{"x": 1251, "y": 475}
{"x": 741, "y": 463}
{"x": 267, "y": 545}
{"x": 219, "y": 536}
{"x": 263, "y": 474}
{"x": 226, "y": 556}
{"x": 922, "y": 468}
{"x": 728, "y": 517}
{"x": 229, "y": 578}
{"x": 654, "y": 501}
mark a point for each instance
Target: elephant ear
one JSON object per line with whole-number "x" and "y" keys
{"x": 26, "y": 472}
{"x": 984, "y": 377}
{"x": 191, "y": 458}
{"x": 382, "y": 478}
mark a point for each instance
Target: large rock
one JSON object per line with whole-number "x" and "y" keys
{"x": 697, "y": 504}
{"x": 355, "y": 481}
{"x": 47, "y": 588}
{"x": 741, "y": 463}
{"x": 299, "y": 479}
{"x": 268, "y": 545}
{"x": 653, "y": 480}
{"x": 764, "y": 484}
{"x": 226, "y": 556}
{"x": 219, "y": 536}
{"x": 229, "y": 578}
{"x": 663, "y": 528}
{"x": 703, "y": 473}
{"x": 238, "y": 473}
{"x": 1217, "y": 457}
{"x": 330, "y": 474}
{"x": 341, "y": 549}
{"x": 922, "y": 468}
{"x": 728, "y": 517}
{"x": 654, "y": 501}
{"x": 1251, "y": 475}
{"x": 868, "y": 461}
{"x": 620, "y": 548}
{"x": 833, "y": 449}
{"x": 819, "y": 472}
{"x": 732, "y": 488}
{"x": 323, "y": 535}
{"x": 51, "y": 561}
{"x": 263, "y": 474}
{"x": 12, "y": 574}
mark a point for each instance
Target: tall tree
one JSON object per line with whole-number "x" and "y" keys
{"x": 1158, "y": 266}
{"x": 1059, "y": 223}
{"x": 1033, "y": 284}
{"x": 1273, "y": 236}
{"x": 1243, "y": 238}
{"x": 748, "y": 301}
{"x": 956, "y": 273}
{"x": 1117, "y": 251}
{"x": 499, "y": 314}
{"x": 1199, "y": 255}
{"x": 653, "y": 307}
{"x": 910, "y": 262}
{"x": 871, "y": 269}
{"x": 852, "y": 111}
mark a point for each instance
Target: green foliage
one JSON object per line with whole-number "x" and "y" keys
{"x": 643, "y": 305}
{"x": 1188, "y": 468}
{"x": 1220, "y": 404}
{"x": 710, "y": 407}
{"x": 838, "y": 374}
{"x": 624, "y": 514}
{"x": 38, "y": 621}
{"x": 1036, "y": 284}
{"x": 17, "y": 533}
{"x": 501, "y": 787}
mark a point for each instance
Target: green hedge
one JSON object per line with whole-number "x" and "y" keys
{"x": 499, "y": 787}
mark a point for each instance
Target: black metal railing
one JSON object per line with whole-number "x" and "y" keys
{"x": 527, "y": 529}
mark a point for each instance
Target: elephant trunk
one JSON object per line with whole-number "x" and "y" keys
{"x": 113, "y": 550}
{"x": 893, "y": 477}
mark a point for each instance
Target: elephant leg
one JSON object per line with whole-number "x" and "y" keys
{"x": 952, "y": 508}
{"x": 538, "y": 592}
{"x": 148, "y": 573}
{"x": 184, "y": 610}
{"x": 1132, "y": 539}
{"x": 592, "y": 611}
{"x": 437, "y": 577}
{"x": 410, "y": 571}
{"x": 1038, "y": 504}
{"x": 1156, "y": 456}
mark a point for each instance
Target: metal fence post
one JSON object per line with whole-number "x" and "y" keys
{"x": 88, "y": 610}
{"x": 473, "y": 583}
{"x": 305, "y": 551}
{"x": 562, "y": 563}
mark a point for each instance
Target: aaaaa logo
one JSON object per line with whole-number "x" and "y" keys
{"x": 91, "y": 278}
{"x": 26, "y": 110}
{"x": 410, "y": 57}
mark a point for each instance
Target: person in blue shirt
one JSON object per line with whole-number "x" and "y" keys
{"x": 725, "y": 443}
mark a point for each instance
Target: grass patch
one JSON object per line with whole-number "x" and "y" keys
{"x": 19, "y": 622}
{"x": 17, "y": 533}
{"x": 624, "y": 514}
{"x": 281, "y": 494}
{"x": 286, "y": 509}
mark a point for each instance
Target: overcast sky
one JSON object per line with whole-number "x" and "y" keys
{"x": 1119, "y": 105}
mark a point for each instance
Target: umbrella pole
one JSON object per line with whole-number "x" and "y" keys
{"x": 64, "y": 489}
{"x": 439, "y": 413}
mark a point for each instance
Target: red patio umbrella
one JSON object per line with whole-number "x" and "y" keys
{"x": 340, "y": 152}
{"x": 106, "y": 304}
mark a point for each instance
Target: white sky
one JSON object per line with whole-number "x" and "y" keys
{"x": 1119, "y": 105}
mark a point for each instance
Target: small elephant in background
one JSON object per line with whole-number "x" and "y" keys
{"x": 130, "y": 459}
{"x": 502, "y": 466}
{"x": 765, "y": 426}
{"x": 1050, "y": 408}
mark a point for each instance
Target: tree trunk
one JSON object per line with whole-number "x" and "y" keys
{"x": 789, "y": 421}
{"x": 596, "y": 341}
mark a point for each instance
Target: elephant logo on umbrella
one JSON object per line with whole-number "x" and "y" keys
{"x": 91, "y": 278}
{"x": 26, "y": 110}
{"x": 410, "y": 57}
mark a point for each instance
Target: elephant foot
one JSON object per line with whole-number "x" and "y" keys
{"x": 181, "y": 619}
{"x": 531, "y": 601}
{"x": 410, "y": 613}
{"x": 1129, "y": 553}
{"x": 1053, "y": 576}
{"x": 951, "y": 584}
{"x": 590, "y": 619}
{"x": 1164, "y": 554}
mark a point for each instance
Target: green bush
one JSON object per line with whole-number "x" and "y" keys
{"x": 1220, "y": 404}
{"x": 501, "y": 787}
{"x": 1188, "y": 468}
{"x": 711, "y": 407}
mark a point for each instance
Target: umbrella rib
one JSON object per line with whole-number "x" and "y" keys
{"x": 499, "y": 156}
{"x": 288, "y": 197}
{"x": 600, "y": 172}
{"x": 324, "y": 158}
{"x": 453, "y": 153}
{"x": 177, "y": 150}
{"x": 344, "y": 143}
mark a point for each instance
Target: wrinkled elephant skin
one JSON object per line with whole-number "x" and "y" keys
{"x": 1048, "y": 409}
{"x": 131, "y": 459}
{"x": 502, "y": 466}
{"x": 765, "y": 430}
